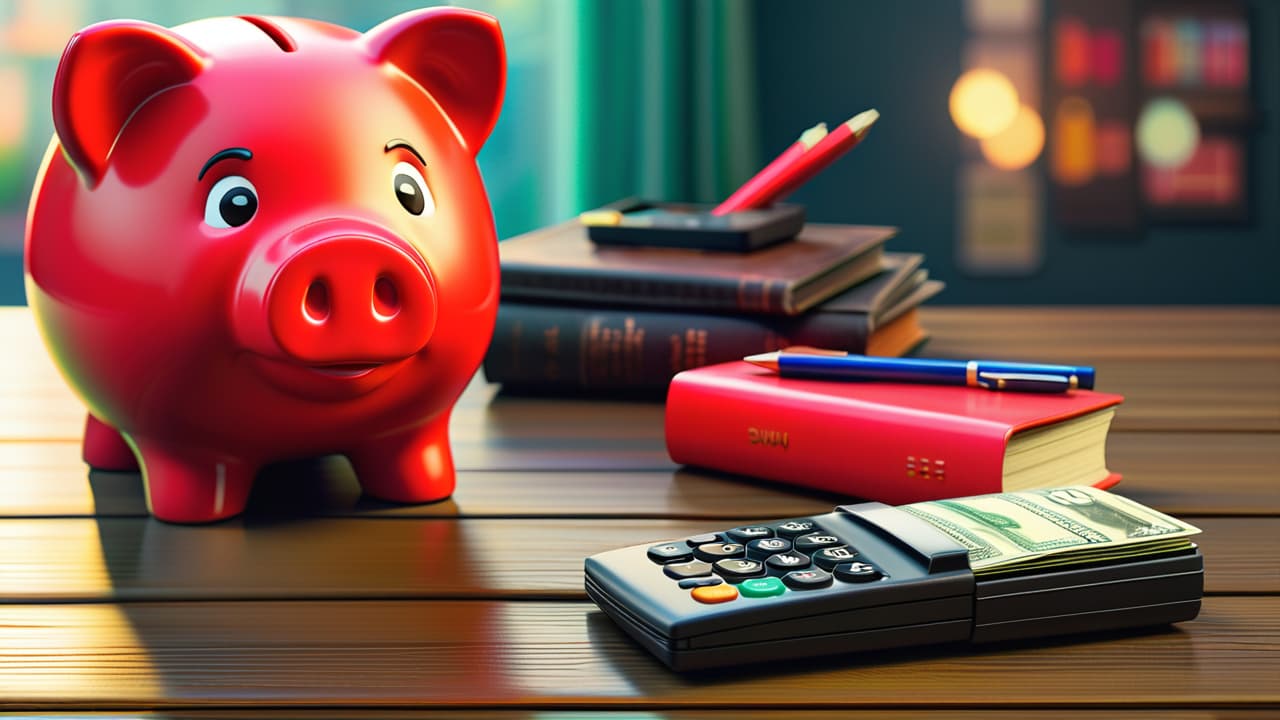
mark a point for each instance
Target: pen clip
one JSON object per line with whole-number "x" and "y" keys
{"x": 1024, "y": 382}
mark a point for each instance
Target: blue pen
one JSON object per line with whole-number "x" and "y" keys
{"x": 989, "y": 374}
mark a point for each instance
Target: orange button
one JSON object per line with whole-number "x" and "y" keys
{"x": 715, "y": 594}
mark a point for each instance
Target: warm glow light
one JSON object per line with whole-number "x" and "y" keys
{"x": 983, "y": 103}
{"x": 1167, "y": 133}
{"x": 1211, "y": 178}
{"x": 1115, "y": 146}
{"x": 44, "y": 478}
{"x": 40, "y": 27}
{"x": 1011, "y": 16}
{"x": 1107, "y": 62}
{"x": 1020, "y": 143}
{"x": 13, "y": 111}
{"x": 1073, "y": 155}
{"x": 69, "y": 652}
{"x": 1071, "y": 51}
{"x": 84, "y": 654}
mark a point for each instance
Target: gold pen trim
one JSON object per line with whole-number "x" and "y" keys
{"x": 600, "y": 218}
{"x": 971, "y": 373}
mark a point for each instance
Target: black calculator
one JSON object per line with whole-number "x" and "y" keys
{"x": 863, "y": 577}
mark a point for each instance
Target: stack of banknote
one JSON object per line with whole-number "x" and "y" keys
{"x": 1053, "y": 528}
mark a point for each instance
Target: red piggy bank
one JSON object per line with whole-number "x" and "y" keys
{"x": 255, "y": 239}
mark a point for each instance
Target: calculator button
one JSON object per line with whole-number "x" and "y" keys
{"x": 750, "y": 532}
{"x": 807, "y": 579}
{"x": 786, "y": 562}
{"x": 761, "y": 549}
{"x": 680, "y": 571}
{"x": 815, "y": 541}
{"x": 857, "y": 572}
{"x": 761, "y": 587}
{"x": 703, "y": 539}
{"x": 828, "y": 558}
{"x": 694, "y": 582}
{"x": 796, "y": 528}
{"x": 737, "y": 569}
{"x": 669, "y": 553}
{"x": 712, "y": 594}
{"x": 719, "y": 551}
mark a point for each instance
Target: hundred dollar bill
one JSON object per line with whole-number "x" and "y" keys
{"x": 1008, "y": 532}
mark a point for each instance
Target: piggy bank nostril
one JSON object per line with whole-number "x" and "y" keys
{"x": 341, "y": 297}
{"x": 386, "y": 299}
{"x": 315, "y": 304}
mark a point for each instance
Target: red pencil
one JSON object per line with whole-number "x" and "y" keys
{"x": 779, "y": 165}
{"x": 803, "y": 166}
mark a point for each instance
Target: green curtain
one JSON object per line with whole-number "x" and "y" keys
{"x": 664, "y": 100}
{"x": 614, "y": 98}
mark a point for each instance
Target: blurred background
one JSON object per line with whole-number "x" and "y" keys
{"x": 1038, "y": 151}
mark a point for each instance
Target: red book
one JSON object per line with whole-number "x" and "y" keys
{"x": 890, "y": 442}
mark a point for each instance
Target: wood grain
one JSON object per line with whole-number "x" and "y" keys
{"x": 567, "y": 655}
{"x": 130, "y": 559}
{"x": 1181, "y": 473}
{"x": 1161, "y": 359}
{"x": 1176, "y": 394}
{"x": 652, "y": 714}
{"x": 1084, "y": 335}
{"x": 323, "y": 603}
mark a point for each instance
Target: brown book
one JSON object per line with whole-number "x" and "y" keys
{"x": 555, "y": 347}
{"x": 561, "y": 264}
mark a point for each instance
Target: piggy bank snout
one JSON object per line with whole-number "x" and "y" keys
{"x": 340, "y": 299}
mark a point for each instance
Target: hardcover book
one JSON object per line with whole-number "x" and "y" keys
{"x": 540, "y": 346}
{"x": 890, "y": 442}
{"x": 561, "y": 264}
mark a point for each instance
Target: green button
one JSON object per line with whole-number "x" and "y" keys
{"x": 762, "y": 587}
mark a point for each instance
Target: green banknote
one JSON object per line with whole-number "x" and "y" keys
{"x": 1012, "y": 532}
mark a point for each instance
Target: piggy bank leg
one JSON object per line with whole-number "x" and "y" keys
{"x": 105, "y": 448}
{"x": 193, "y": 487}
{"x": 408, "y": 467}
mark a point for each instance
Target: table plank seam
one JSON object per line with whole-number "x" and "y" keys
{"x": 543, "y": 596}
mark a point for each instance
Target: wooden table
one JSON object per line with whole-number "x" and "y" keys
{"x": 351, "y": 608}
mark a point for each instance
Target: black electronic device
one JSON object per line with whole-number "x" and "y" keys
{"x": 865, "y": 577}
{"x": 635, "y": 222}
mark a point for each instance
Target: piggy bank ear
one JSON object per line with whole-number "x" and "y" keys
{"x": 107, "y": 71}
{"x": 457, "y": 56}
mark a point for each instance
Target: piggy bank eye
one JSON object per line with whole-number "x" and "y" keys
{"x": 411, "y": 190}
{"x": 232, "y": 202}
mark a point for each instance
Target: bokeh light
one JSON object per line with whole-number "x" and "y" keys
{"x": 1167, "y": 133}
{"x": 1115, "y": 146}
{"x": 1107, "y": 62}
{"x": 1018, "y": 145}
{"x": 1073, "y": 155}
{"x": 983, "y": 103}
{"x": 42, "y": 27}
{"x": 1071, "y": 52}
{"x": 13, "y": 111}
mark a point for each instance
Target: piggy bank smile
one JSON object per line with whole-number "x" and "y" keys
{"x": 263, "y": 238}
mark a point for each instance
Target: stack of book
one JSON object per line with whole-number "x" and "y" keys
{"x": 576, "y": 316}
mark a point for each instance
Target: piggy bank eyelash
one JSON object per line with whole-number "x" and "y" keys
{"x": 238, "y": 153}
{"x": 394, "y": 143}
{"x": 411, "y": 189}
